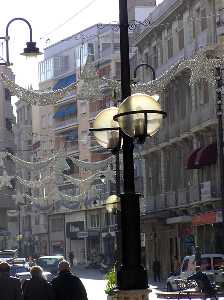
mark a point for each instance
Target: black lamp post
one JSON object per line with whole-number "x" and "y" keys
{"x": 29, "y": 50}
{"x": 138, "y": 116}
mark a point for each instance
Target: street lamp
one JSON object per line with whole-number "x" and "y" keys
{"x": 138, "y": 116}
{"x": 30, "y": 49}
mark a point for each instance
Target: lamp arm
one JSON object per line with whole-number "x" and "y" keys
{"x": 6, "y": 38}
{"x": 147, "y": 65}
{"x": 18, "y": 19}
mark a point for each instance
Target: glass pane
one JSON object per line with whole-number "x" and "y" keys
{"x": 218, "y": 263}
{"x": 205, "y": 264}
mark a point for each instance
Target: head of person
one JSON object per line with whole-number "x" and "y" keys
{"x": 4, "y": 269}
{"x": 64, "y": 266}
{"x": 36, "y": 272}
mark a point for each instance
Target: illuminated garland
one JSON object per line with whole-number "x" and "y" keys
{"x": 93, "y": 166}
{"x": 40, "y": 98}
{"x": 89, "y": 86}
{"x": 36, "y": 184}
{"x": 32, "y": 165}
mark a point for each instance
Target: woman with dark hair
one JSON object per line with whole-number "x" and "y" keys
{"x": 37, "y": 287}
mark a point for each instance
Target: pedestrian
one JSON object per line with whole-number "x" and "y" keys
{"x": 10, "y": 287}
{"x": 71, "y": 258}
{"x": 67, "y": 286}
{"x": 156, "y": 270}
{"x": 37, "y": 288}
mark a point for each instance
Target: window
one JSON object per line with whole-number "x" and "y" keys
{"x": 8, "y": 124}
{"x": 106, "y": 49}
{"x": 203, "y": 19}
{"x": 206, "y": 264}
{"x": 169, "y": 42}
{"x": 57, "y": 224}
{"x": 218, "y": 263}
{"x": 180, "y": 36}
{"x": 117, "y": 70}
{"x": 116, "y": 46}
{"x": 83, "y": 107}
{"x": 94, "y": 221}
{"x": 7, "y": 95}
{"x": 155, "y": 56}
{"x": 37, "y": 220}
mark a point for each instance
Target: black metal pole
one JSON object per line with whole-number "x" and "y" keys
{"x": 130, "y": 275}
{"x": 219, "y": 112}
{"x": 19, "y": 231}
{"x": 48, "y": 235}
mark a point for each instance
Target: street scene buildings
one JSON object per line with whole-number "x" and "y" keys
{"x": 177, "y": 171}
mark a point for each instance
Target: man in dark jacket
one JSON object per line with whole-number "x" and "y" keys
{"x": 67, "y": 286}
{"x": 10, "y": 287}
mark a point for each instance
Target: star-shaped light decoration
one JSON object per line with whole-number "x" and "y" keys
{"x": 109, "y": 174}
{"x": 89, "y": 83}
{"x": 201, "y": 67}
{"x": 5, "y": 180}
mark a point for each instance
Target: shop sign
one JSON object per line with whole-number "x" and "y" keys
{"x": 180, "y": 219}
{"x": 72, "y": 229}
{"x": 188, "y": 241}
{"x": 210, "y": 217}
{"x": 82, "y": 234}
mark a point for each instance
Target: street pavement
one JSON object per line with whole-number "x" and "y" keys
{"x": 94, "y": 283}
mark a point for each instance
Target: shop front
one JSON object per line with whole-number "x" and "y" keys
{"x": 208, "y": 231}
{"x": 76, "y": 235}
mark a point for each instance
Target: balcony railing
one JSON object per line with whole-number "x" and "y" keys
{"x": 171, "y": 199}
{"x": 66, "y": 123}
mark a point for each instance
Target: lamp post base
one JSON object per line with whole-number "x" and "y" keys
{"x": 132, "y": 278}
{"x": 130, "y": 295}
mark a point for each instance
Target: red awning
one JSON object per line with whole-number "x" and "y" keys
{"x": 206, "y": 156}
{"x": 192, "y": 158}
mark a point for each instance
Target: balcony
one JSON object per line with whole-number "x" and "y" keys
{"x": 65, "y": 124}
{"x": 171, "y": 199}
{"x": 194, "y": 193}
{"x": 205, "y": 114}
{"x": 182, "y": 197}
{"x": 160, "y": 201}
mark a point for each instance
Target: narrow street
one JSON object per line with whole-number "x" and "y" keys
{"x": 94, "y": 283}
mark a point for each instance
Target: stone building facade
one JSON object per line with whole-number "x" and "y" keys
{"x": 181, "y": 187}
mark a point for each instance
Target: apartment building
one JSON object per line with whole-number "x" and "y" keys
{"x": 23, "y": 141}
{"x": 7, "y": 199}
{"x": 181, "y": 180}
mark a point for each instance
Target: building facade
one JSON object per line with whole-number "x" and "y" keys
{"x": 181, "y": 186}
{"x": 7, "y": 199}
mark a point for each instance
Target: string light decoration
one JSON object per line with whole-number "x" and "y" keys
{"x": 56, "y": 161}
{"x": 89, "y": 83}
{"x": 201, "y": 67}
{"x": 35, "y": 184}
{"x": 40, "y": 98}
{"x": 5, "y": 180}
{"x": 88, "y": 88}
{"x": 93, "y": 166}
{"x": 35, "y": 166}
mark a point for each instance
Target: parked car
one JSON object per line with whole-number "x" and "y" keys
{"x": 14, "y": 269}
{"x": 211, "y": 264}
{"x": 20, "y": 261}
{"x": 26, "y": 275}
{"x": 49, "y": 263}
{"x": 7, "y": 255}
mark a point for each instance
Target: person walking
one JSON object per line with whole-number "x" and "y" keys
{"x": 71, "y": 258}
{"x": 37, "y": 288}
{"x": 10, "y": 287}
{"x": 67, "y": 286}
{"x": 156, "y": 270}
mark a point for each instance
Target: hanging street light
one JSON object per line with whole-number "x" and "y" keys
{"x": 29, "y": 51}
